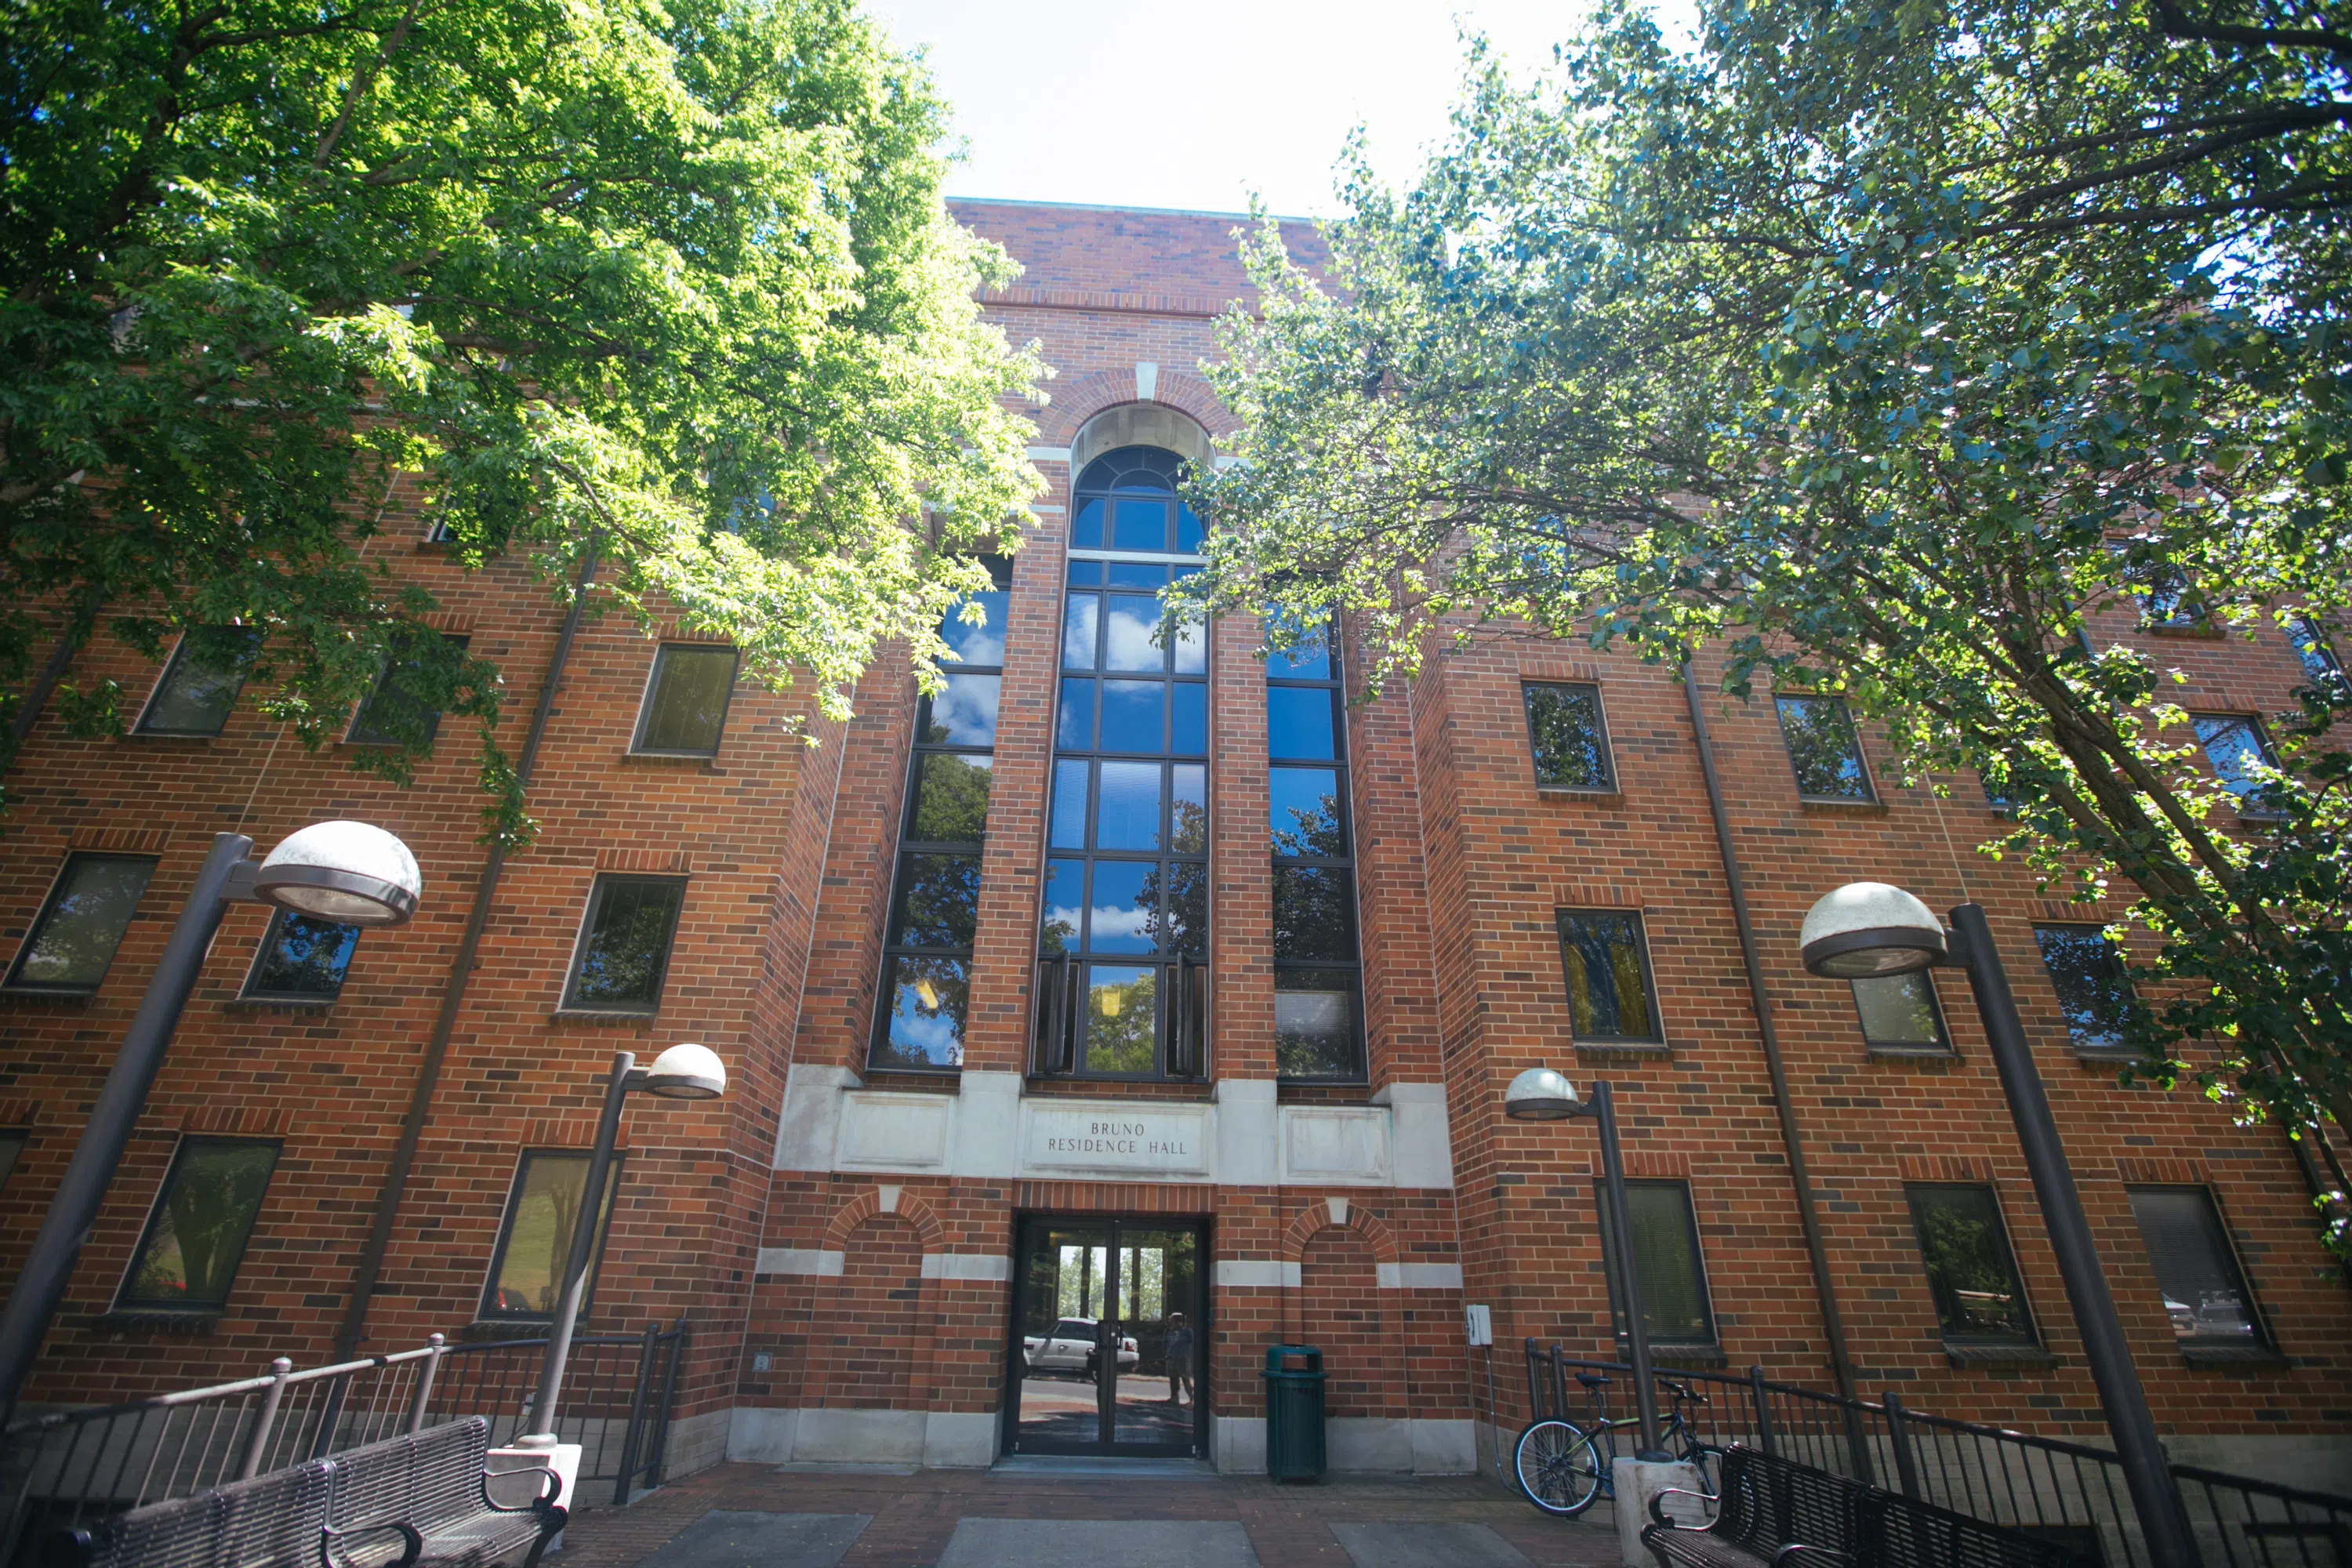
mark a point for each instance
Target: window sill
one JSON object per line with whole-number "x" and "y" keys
{"x": 941, "y": 1079}
{"x": 1622, "y": 1048}
{"x": 493, "y": 1329}
{"x": 673, "y": 759}
{"x": 1610, "y": 796}
{"x": 1668, "y": 1357}
{"x": 1840, "y": 806}
{"x": 280, "y": 1003}
{"x": 1962, "y": 1353}
{"x": 1911, "y": 1053}
{"x": 49, "y": 998}
{"x": 1050, "y": 1084}
{"x": 181, "y": 735}
{"x": 2201, "y": 632}
{"x": 600, "y": 1016}
{"x": 136, "y": 1319}
{"x": 2251, "y": 1356}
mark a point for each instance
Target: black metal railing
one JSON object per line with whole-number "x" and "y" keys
{"x": 59, "y": 1469}
{"x": 2049, "y": 1486}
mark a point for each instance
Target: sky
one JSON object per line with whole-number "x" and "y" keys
{"x": 1196, "y": 104}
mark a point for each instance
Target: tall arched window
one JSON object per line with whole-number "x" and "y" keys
{"x": 1124, "y": 943}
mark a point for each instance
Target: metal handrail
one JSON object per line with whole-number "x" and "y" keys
{"x": 64, "y": 1465}
{"x": 1997, "y": 1474}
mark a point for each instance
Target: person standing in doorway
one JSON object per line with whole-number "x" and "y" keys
{"x": 1178, "y": 1347}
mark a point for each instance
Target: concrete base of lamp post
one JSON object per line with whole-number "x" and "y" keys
{"x": 1636, "y": 1482}
{"x": 563, "y": 1458}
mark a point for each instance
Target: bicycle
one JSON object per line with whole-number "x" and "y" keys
{"x": 1564, "y": 1469}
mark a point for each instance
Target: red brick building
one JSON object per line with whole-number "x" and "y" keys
{"x": 1132, "y": 979}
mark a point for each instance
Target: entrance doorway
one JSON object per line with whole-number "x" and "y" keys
{"x": 1108, "y": 1342}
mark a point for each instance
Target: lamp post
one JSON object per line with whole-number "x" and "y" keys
{"x": 685, "y": 1071}
{"x": 349, "y": 873}
{"x": 1869, "y": 929}
{"x": 1540, "y": 1094}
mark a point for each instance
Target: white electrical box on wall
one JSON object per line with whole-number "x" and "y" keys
{"x": 1478, "y": 1325}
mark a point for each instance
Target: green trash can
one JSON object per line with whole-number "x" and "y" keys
{"x": 1293, "y": 1412}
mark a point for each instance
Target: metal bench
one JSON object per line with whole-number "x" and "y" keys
{"x": 1776, "y": 1513}
{"x": 428, "y": 1498}
{"x": 269, "y": 1521}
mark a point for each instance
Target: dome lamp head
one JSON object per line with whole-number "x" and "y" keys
{"x": 687, "y": 1071}
{"x": 1867, "y": 929}
{"x": 353, "y": 873}
{"x": 1540, "y": 1094}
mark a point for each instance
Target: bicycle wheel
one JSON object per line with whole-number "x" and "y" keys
{"x": 1558, "y": 1467}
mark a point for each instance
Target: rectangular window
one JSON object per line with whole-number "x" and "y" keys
{"x": 1970, "y": 1270}
{"x": 686, "y": 701}
{"x": 2239, "y": 756}
{"x": 935, "y": 899}
{"x": 2168, "y": 600}
{"x": 2195, "y": 1267}
{"x": 1900, "y": 1016}
{"x": 81, "y": 922}
{"x": 1610, "y": 988}
{"x": 1666, "y": 1260}
{"x": 12, "y": 1149}
{"x": 535, "y": 1234}
{"x": 625, "y": 942}
{"x": 1319, "y": 1033}
{"x": 302, "y": 959}
{"x": 2311, "y": 645}
{"x": 196, "y": 1234}
{"x": 1568, "y": 737}
{"x": 1123, "y": 938}
{"x": 1824, "y": 748}
{"x": 2087, "y": 972}
{"x": 200, "y": 681}
{"x": 397, "y": 713}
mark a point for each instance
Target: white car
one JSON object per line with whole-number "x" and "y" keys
{"x": 1071, "y": 1347}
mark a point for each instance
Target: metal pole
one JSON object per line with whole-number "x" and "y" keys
{"x": 2146, "y": 1470}
{"x": 584, "y": 1247}
{"x": 48, "y": 1266}
{"x": 1620, "y": 1222}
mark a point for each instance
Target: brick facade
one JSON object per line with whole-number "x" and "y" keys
{"x": 847, "y": 1281}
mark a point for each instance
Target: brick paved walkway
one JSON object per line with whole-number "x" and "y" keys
{"x": 915, "y": 1513}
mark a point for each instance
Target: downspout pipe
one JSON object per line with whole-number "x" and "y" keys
{"x": 1792, "y": 1140}
{"x": 453, "y": 996}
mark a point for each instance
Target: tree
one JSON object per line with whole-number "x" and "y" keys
{"x": 671, "y": 285}
{"x": 1878, "y": 347}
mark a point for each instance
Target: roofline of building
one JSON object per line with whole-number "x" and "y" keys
{"x": 1111, "y": 207}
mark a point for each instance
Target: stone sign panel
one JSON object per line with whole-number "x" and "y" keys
{"x": 1120, "y": 1140}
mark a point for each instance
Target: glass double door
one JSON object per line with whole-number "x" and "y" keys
{"x": 1108, "y": 1342}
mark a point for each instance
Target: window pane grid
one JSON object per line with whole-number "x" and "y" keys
{"x": 535, "y": 1234}
{"x": 1667, "y": 1259}
{"x": 1612, "y": 994}
{"x": 2195, "y": 1267}
{"x": 686, "y": 695}
{"x": 1824, "y": 750}
{"x": 1124, "y": 914}
{"x": 623, "y": 959}
{"x": 1971, "y": 1273}
{"x": 200, "y": 683}
{"x": 2093, "y": 991}
{"x": 1318, "y": 1008}
{"x": 1568, "y": 737}
{"x": 196, "y": 1236}
{"x": 73, "y": 940}
{"x": 922, "y": 1001}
